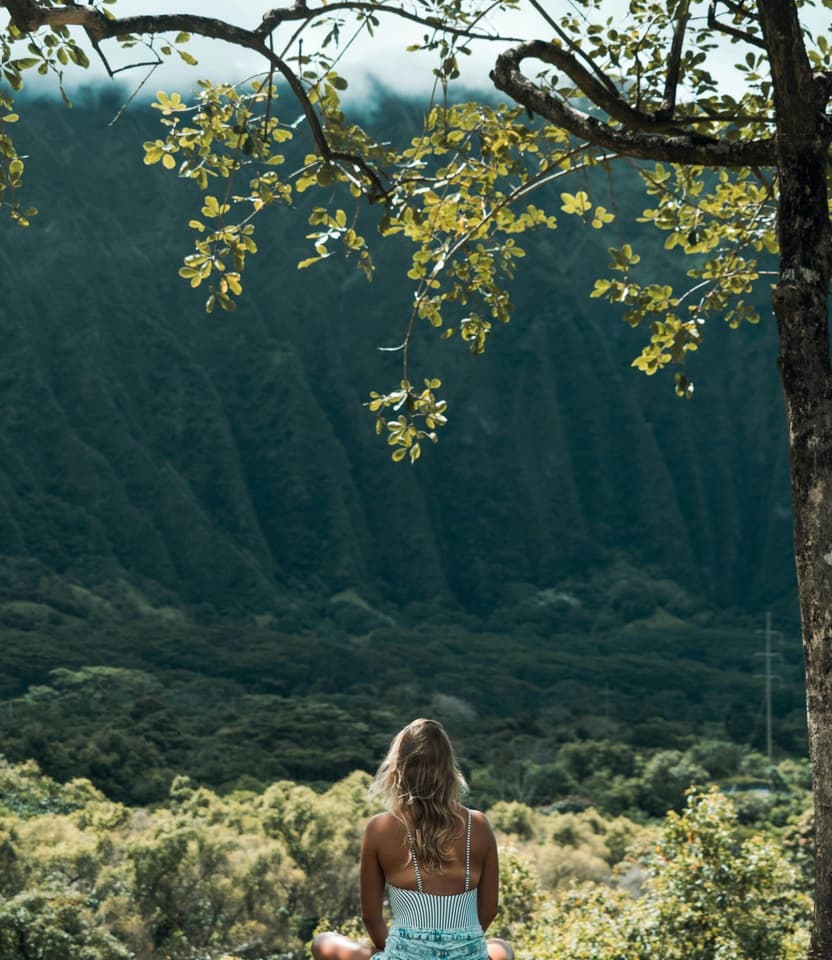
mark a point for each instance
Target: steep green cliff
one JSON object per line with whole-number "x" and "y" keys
{"x": 226, "y": 460}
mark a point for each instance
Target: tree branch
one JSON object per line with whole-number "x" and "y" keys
{"x": 300, "y": 11}
{"x": 674, "y": 63}
{"x": 739, "y": 10}
{"x": 735, "y": 32}
{"x": 642, "y": 137}
{"x": 575, "y": 48}
{"x": 29, "y": 16}
{"x": 611, "y": 102}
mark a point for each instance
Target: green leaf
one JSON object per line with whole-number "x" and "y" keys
{"x": 78, "y": 57}
{"x": 213, "y": 208}
{"x": 577, "y": 203}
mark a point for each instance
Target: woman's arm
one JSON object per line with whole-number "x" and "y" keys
{"x": 372, "y": 886}
{"x": 489, "y": 883}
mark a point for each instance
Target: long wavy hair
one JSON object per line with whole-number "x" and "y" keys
{"x": 422, "y": 784}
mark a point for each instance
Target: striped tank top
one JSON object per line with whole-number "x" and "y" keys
{"x": 429, "y": 926}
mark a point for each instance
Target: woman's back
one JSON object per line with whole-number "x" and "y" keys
{"x": 446, "y": 912}
{"x": 388, "y": 838}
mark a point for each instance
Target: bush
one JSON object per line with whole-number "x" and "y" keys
{"x": 709, "y": 894}
{"x": 666, "y": 777}
{"x": 54, "y": 925}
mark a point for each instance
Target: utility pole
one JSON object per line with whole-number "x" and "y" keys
{"x": 767, "y": 655}
{"x": 768, "y": 686}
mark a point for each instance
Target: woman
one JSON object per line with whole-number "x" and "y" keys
{"x": 436, "y": 859}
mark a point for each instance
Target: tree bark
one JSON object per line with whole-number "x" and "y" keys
{"x": 800, "y": 303}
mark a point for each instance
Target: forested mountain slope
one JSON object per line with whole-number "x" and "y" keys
{"x": 226, "y": 460}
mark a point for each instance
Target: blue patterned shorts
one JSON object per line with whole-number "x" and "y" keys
{"x": 410, "y": 943}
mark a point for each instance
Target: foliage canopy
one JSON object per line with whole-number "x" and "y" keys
{"x": 470, "y": 183}
{"x": 253, "y": 874}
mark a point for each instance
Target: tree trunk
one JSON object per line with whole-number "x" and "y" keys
{"x": 808, "y": 393}
{"x": 800, "y": 303}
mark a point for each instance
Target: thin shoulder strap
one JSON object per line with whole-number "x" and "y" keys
{"x": 418, "y": 872}
{"x": 416, "y": 869}
{"x": 468, "y": 855}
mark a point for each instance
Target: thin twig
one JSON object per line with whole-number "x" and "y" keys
{"x": 735, "y": 32}
{"x": 674, "y": 62}
{"x": 134, "y": 94}
{"x": 274, "y": 18}
{"x": 267, "y": 112}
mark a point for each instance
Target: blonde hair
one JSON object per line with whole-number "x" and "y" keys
{"x": 422, "y": 784}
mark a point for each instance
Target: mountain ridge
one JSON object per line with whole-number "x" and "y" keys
{"x": 227, "y": 462}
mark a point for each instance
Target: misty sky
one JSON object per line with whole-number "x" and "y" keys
{"x": 382, "y": 59}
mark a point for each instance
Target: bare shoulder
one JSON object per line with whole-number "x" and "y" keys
{"x": 480, "y": 826}
{"x": 479, "y": 818}
{"x": 383, "y": 836}
{"x": 382, "y": 825}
